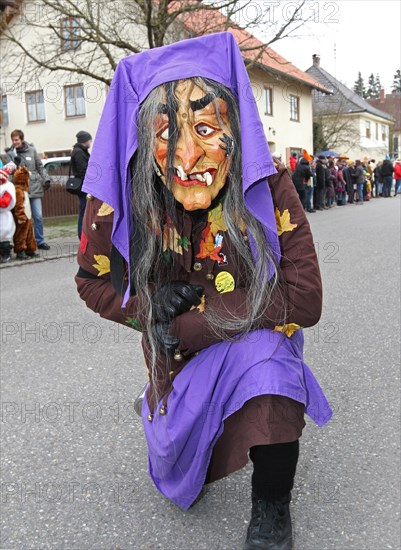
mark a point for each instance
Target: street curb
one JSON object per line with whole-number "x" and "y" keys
{"x": 21, "y": 263}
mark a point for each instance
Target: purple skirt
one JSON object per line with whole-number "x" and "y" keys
{"x": 211, "y": 387}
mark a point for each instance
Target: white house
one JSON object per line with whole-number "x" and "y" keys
{"x": 51, "y": 109}
{"x": 349, "y": 123}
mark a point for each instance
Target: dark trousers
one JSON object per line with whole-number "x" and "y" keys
{"x": 387, "y": 183}
{"x": 274, "y": 469}
{"x": 320, "y": 196}
{"x": 302, "y": 196}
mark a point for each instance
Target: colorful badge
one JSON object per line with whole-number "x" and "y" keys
{"x": 224, "y": 282}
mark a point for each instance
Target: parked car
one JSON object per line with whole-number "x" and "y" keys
{"x": 58, "y": 169}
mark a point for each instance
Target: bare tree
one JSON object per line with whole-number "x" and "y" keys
{"x": 336, "y": 132}
{"x": 89, "y": 37}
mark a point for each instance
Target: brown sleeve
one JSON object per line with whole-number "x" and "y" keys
{"x": 300, "y": 270}
{"x": 93, "y": 278}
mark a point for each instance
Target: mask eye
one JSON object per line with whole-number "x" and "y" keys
{"x": 164, "y": 134}
{"x": 204, "y": 130}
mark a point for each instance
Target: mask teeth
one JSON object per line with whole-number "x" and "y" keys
{"x": 208, "y": 178}
{"x": 181, "y": 174}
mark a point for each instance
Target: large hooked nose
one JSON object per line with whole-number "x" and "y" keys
{"x": 188, "y": 151}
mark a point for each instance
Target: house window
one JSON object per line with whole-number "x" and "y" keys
{"x": 377, "y": 131}
{"x": 70, "y": 33}
{"x": 35, "y": 105}
{"x": 74, "y": 100}
{"x": 384, "y": 133}
{"x": 268, "y": 101}
{"x": 367, "y": 128}
{"x": 294, "y": 108}
{"x": 4, "y": 111}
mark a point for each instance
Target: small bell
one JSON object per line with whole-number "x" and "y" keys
{"x": 210, "y": 276}
{"x": 150, "y": 417}
{"x": 177, "y": 355}
{"x": 163, "y": 410}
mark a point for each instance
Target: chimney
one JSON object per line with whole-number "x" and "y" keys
{"x": 316, "y": 59}
{"x": 382, "y": 95}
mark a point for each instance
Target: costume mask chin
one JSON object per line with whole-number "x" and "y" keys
{"x": 203, "y": 150}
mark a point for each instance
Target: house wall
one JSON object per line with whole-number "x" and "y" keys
{"x": 57, "y": 132}
{"x": 371, "y": 147}
{"x": 283, "y": 134}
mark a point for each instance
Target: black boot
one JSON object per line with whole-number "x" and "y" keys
{"x": 270, "y": 526}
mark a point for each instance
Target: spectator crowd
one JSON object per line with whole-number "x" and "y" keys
{"x": 323, "y": 182}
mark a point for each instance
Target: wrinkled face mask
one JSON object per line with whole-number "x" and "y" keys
{"x": 204, "y": 146}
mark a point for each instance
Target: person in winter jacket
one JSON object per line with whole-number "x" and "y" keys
{"x": 24, "y": 240}
{"x": 321, "y": 181}
{"x": 387, "y": 171}
{"x": 378, "y": 181}
{"x": 360, "y": 180}
{"x": 331, "y": 183}
{"x": 397, "y": 177}
{"x": 79, "y": 163}
{"x": 300, "y": 177}
{"x": 341, "y": 184}
{"x": 7, "y": 224}
{"x": 38, "y": 180}
{"x": 349, "y": 186}
{"x": 293, "y": 162}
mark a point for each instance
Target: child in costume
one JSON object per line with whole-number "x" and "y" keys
{"x": 24, "y": 240}
{"x": 7, "y": 224}
{"x": 201, "y": 243}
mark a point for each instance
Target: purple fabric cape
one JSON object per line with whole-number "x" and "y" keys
{"x": 215, "y": 56}
{"x": 221, "y": 378}
{"x": 211, "y": 387}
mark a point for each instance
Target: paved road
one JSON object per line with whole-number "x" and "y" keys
{"x": 74, "y": 455}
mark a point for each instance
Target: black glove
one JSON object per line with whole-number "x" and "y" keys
{"x": 165, "y": 343}
{"x": 46, "y": 185}
{"x": 175, "y": 298}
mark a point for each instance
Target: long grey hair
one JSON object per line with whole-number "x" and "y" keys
{"x": 152, "y": 201}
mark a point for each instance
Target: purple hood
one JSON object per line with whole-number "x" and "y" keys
{"x": 215, "y": 56}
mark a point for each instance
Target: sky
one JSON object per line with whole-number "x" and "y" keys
{"x": 365, "y": 35}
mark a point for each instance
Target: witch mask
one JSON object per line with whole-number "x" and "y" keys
{"x": 196, "y": 120}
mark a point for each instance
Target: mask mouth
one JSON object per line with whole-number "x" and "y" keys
{"x": 204, "y": 178}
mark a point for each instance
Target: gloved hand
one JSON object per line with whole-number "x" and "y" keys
{"x": 175, "y": 298}
{"x": 165, "y": 343}
{"x": 46, "y": 185}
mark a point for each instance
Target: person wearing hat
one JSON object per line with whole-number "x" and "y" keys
{"x": 193, "y": 238}
{"x": 38, "y": 180}
{"x": 79, "y": 163}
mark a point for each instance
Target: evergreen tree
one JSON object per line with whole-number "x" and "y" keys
{"x": 396, "y": 87}
{"x": 378, "y": 86}
{"x": 359, "y": 86}
{"x": 371, "y": 92}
